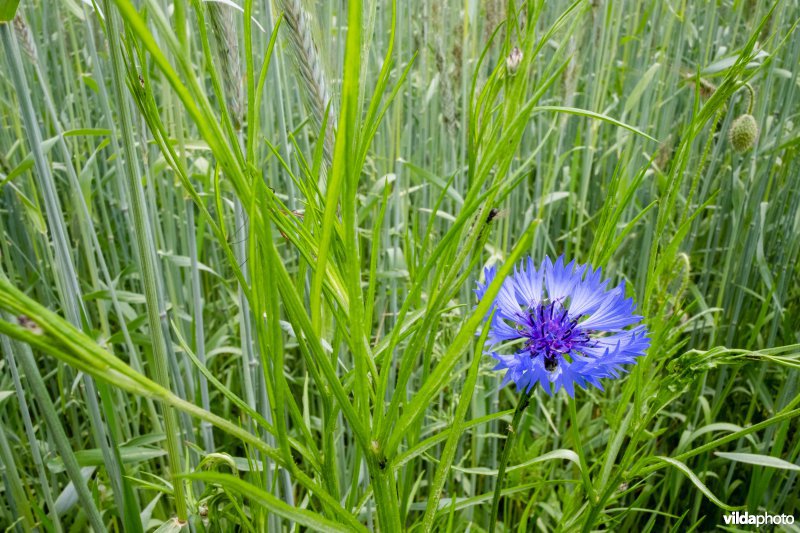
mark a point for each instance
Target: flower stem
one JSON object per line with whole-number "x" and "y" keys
{"x": 751, "y": 96}
{"x": 576, "y": 437}
{"x": 511, "y": 432}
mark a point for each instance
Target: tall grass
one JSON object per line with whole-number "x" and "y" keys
{"x": 239, "y": 248}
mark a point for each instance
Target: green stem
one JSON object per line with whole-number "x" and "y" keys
{"x": 511, "y": 433}
{"x": 578, "y": 443}
{"x": 199, "y": 329}
{"x": 66, "y": 276}
{"x": 384, "y": 490}
{"x": 17, "y": 499}
{"x": 38, "y": 389}
{"x": 149, "y": 265}
{"x": 751, "y": 98}
{"x": 33, "y": 443}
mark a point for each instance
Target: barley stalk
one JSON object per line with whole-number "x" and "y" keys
{"x": 310, "y": 68}
{"x": 223, "y": 27}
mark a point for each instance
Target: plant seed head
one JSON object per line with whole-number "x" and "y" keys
{"x": 743, "y": 133}
{"x": 513, "y": 61}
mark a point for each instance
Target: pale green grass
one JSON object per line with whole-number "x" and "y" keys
{"x": 239, "y": 250}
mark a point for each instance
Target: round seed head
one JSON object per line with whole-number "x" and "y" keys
{"x": 743, "y": 133}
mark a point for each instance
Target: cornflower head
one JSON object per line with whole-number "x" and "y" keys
{"x": 573, "y": 329}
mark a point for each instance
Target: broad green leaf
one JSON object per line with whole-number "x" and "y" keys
{"x": 8, "y": 9}
{"x": 758, "y": 459}
{"x": 641, "y": 86}
{"x": 27, "y": 162}
{"x": 696, "y": 480}
{"x": 186, "y": 262}
{"x": 122, "y": 296}
{"x": 727, "y": 62}
{"x": 257, "y": 495}
{"x": 94, "y": 457}
{"x": 592, "y": 114}
{"x": 567, "y": 455}
{"x": 87, "y": 132}
{"x": 441, "y": 183}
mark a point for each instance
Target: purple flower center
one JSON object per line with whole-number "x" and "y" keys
{"x": 551, "y": 334}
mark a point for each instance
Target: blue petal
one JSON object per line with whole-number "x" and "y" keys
{"x": 518, "y": 366}
{"x": 623, "y": 347}
{"x": 501, "y": 331}
{"x": 587, "y": 294}
{"x": 558, "y": 278}
{"x": 489, "y": 274}
{"x": 539, "y": 374}
{"x": 528, "y": 284}
{"x": 614, "y": 313}
{"x": 617, "y": 351}
{"x": 507, "y": 304}
{"x": 506, "y": 301}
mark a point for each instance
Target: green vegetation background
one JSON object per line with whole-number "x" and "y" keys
{"x": 238, "y": 252}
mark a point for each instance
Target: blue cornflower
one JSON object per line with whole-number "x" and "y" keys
{"x": 574, "y": 329}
